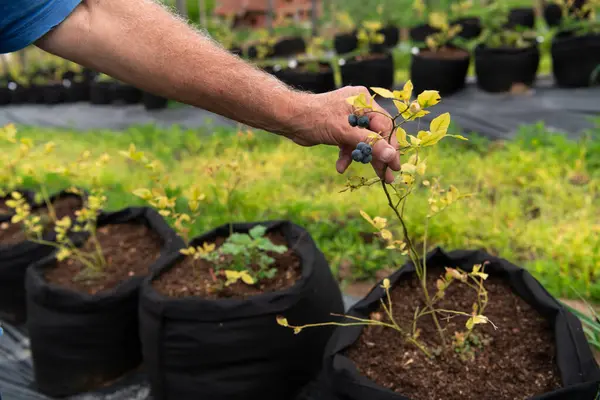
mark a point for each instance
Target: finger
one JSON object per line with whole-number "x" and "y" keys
{"x": 344, "y": 160}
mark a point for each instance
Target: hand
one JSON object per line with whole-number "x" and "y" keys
{"x": 324, "y": 120}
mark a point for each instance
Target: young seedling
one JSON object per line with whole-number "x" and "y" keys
{"x": 36, "y": 224}
{"x": 396, "y": 195}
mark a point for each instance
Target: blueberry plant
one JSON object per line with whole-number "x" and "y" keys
{"x": 37, "y": 223}
{"x": 369, "y": 35}
{"x": 242, "y": 257}
{"x": 495, "y": 34}
{"x": 580, "y": 21}
{"x": 397, "y": 194}
{"x": 441, "y": 39}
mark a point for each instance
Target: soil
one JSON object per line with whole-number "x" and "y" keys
{"x": 366, "y": 57}
{"x": 13, "y": 233}
{"x": 516, "y": 361}
{"x": 194, "y": 277}
{"x": 4, "y": 209}
{"x": 305, "y": 69}
{"x": 445, "y": 53}
{"x": 129, "y": 249}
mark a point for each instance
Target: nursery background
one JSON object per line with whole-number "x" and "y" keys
{"x": 519, "y": 78}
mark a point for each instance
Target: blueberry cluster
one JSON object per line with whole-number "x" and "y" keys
{"x": 362, "y": 153}
{"x": 361, "y": 122}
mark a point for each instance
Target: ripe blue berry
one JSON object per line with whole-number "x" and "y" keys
{"x": 352, "y": 120}
{"x": 367, "y": 159}
{"x": 367, "y": 150}
{"x": 357, "y": 155}
{"x": 361, "y": 146}
{"x": 363, "y": 121}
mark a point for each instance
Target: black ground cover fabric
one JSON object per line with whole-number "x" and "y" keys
{"x": 230, "y": 349}
{"x": 579, "y": 372}
{"x": 497, "y": 116}
{"x": 79, "y": 341}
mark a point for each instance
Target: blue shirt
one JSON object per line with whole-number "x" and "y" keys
{"x": 22, "y": 22}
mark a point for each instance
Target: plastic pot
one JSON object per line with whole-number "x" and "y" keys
{"x": 153, "y": 102}
{"x": 498, "y": 69}
{"x": 578, "y": 371}
{"x": 521, "y": 17}
{"x": 574, "y": 59}
{"x": 345, "y": 42}
{"x": 127, "y": 94}
{"x": 102, "y": 92}
{"x": 376, "y": 70}
{"x": 81, "y": 341}
{"x": 444, "y": 72}
{"x": 316, "y": 82}
{"x": 54, "y": 93}
{"x": 197, "y": 348}
{"x": 419, "y": 33}
{"x": 14, "y": 260}
{"x": 471, "y": 27}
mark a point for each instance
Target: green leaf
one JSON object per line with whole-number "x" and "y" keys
{"x": 459, "y": 137}
{"x": 257, "y": 231}
{"x": 429, "y": 98}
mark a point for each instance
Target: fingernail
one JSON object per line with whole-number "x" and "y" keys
{"x": 387, "y": 155}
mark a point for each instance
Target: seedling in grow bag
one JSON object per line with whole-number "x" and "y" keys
{"x": 10, "y": 179}
{"x": 579, "y": 21}
{"x": 446, "y": 32}
{"x": 368, "y": 36}
{"x": 397, "y": 195}
{"x": 496, "y": 35}
{"x": 232, "y": 259}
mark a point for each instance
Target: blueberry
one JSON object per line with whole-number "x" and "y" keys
{"x": 357, "y": 155}
{"x": 367, "y": 159}
{"x": 352, "y": 120}
{"x": 363, "y": 121}
{"x": 361, "y": 146}
{"x": 366, "y": 150}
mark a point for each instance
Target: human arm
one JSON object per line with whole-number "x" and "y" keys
{"x": 139, "y": 42}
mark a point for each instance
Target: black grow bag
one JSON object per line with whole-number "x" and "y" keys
{"x": 233, "y": 349}
{"x": 14, "y": 260}
{"x": 445, "y": 75}
{"x": 79, "y": 341}
{"x": 153, "y": 102}
{"x": 316, "y": 82}
{"x": 283, "y": 48}
{"x": 127, "y": 94}
{"x": 497, "y": 69}
{"x": 553, "y": 12}
{"x": 419, "y": 33}
{"x": 391, "y": 37}
{"x": 102, "y": 92}
{"x": 77, "y": 92}
{"x": 471, "y": 27}
{"x": 579, "y": 372}
{"x": 574, "y": 59}
{"x": 345, "y": 42}
{"x": 524, "y": 17}
{"x": 370, "y": 72}
{"x": 5, "y": 95}
{"x": 54, "y": 93}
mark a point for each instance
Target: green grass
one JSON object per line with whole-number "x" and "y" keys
{"x": 525, "y": 207}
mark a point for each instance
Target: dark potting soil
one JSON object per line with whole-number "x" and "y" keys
{"x": 128, "y": 250}
{"x": 66, "y": 206}
{"x": 445, "y": 54}
{"x": 4, "y": 209}
{"x": 194, "y": 278}
{"x": 517, "y": 362}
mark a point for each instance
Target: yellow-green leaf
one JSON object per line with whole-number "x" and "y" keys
{"x": 144, "y": 194}
{"x": 385, "y": 234}
{"x": 246, "y": 278}
{"x": 379, "y": 222}
{"x": 409, "y": 168}
{"x": 428, "y": 98}
{"x": 401, "y": 137}
{"x": 406, "y": 93}
{"x": 386, "y": 283}
{"x": 459, "y": 137}
{"x": 366, "y": 216}
{"x": 476, "y": 319}
{"x": 383, "y": 92}
{"x": 440, "y": 124}
{"x": 282, "y": 321}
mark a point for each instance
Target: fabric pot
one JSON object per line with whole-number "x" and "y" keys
{"x": 5, "y": 95}
{"x": 391, "y": 36}
{"x": 102, "y": 92}
{"x": 371, "y": 72}
{"x": 233, "y": 349}
{"x": 316, "y": 82}
{"x": 289, "y": 46}
{"x": 498, "y": 69}
{"x": 54, "y": 94}
{"x": 153, "y": 102}
{"x": 446, "y": 75}
{"x": 127, "y": 94}
{"x": 521, "y": 17}
{"x": 579, "y": 372}
{"x": 419, "y": 33}
{"x": 77, "y": 91}
{"x": 35, "y": 94}
{"x": 574, "y": 59}
{"x": 238, "y": 51}
{"x": 471, "y": 27}
{"x": 19, "y": 95}
{"x": 553, "y": 12}
{"x": 80, "y": 341}
{"x": 14, "y": 260}
{"x": 345, "y": 42}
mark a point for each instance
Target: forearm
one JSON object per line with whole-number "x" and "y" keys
{"x": 139, "y": 42}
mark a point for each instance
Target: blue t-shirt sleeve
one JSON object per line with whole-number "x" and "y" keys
{"x": 25, "y": 21}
